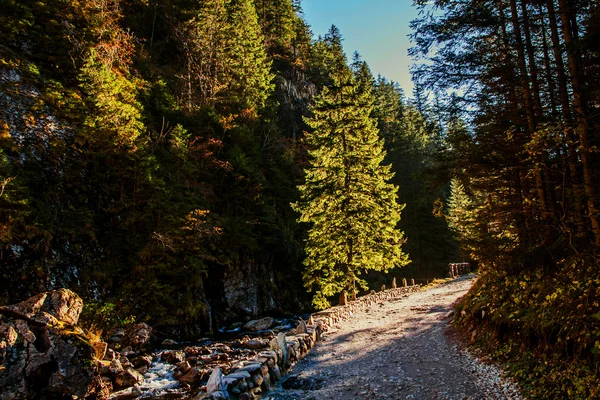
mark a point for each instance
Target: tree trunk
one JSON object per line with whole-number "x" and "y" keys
{"x": 529, "y": 104}
{"x": 566, "y": 115}
{"x": 581, "y": 109}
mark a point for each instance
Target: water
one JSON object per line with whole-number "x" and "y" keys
{"x": 159, "y": 382}
{"x": 159, "y": 377}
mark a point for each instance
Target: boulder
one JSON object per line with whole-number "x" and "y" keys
{"x": 47, "y": 308}
{"x": 192, "y": 377}
{"x": 259, "y": 324}
{"x": 43, "y": 352}
{"x": 137, "y": 336}
{"x": 128, "y": 378}
{"x": 141, "y": 361}
{"x": 173, "y": 356}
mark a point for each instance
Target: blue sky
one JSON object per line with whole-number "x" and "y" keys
{"x": 377, "y": 29}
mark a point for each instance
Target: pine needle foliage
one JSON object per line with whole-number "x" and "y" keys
{"x": 346, "y": 196}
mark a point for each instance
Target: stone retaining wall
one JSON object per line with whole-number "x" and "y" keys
{"x": 250, "y": 378}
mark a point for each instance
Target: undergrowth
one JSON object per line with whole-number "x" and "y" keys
{"x": 543, "y": 323}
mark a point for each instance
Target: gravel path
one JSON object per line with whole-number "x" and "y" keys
{"x": 396, "y": 350}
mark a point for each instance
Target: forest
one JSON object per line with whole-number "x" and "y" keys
{"x": 196, "y": 163}
{"x": 518, "y": 81}
{"x": 152, "y": 153}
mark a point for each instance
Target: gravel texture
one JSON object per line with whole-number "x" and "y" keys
{"x": 397, "y": 350}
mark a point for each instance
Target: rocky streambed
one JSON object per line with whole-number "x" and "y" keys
{"x": 43, "y": 353}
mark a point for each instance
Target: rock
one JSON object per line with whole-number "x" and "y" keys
{"x": 39, "y": 357}
{"x": 275, "y": 373}
{"x": 128, "y": 378}
{"x": 259, "y": 324}
{"x": 264, "y": 370}
{"x": 8, "y": 334}
{"x": 192, "y": 377}
{"x": 65, "y": 305}
{"x": 117, "y": 335}
{"x": 48, "y": 308}
{"x": 184, "y": 366}
{"x": 142, "y": 370}
{"x": 256, "y": 344}
{"x": 141, "y": 361}
{"x": 116, "y": 367}
{"x": 100, "y": 349}
{"x": 239, "y": 375}
{"x": 137, "y": 335}
{"x": 394, "y": 285}
{"x": 219, "y": 396}
{"x": 24, "y": 331}
{"x": 215, "y": 383}
{"x": 343, "y": 299}
{"x": 404, "y": 283}
{"x": 250, "y": 368}
{"x": 169, "y": 342}
{"x": 301, "y": 328}
{"x": 266, "y": 385}
{"x": 257, "y": 380}
{"x": 281, "y": 343}
{"x": 128, "y": 351}
{"x": 172, "y": 356}
{"x": 383, "y": 288}
{"x": 310, "y": 321}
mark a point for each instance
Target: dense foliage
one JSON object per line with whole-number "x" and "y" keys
{"x": 150, "y": 152}
{"x": 520, "y": 83}
{"x": 346, "y": 196}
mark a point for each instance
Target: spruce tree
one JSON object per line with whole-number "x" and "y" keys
{"x": 346, "y": 197}
{"x": 246, "y": 58}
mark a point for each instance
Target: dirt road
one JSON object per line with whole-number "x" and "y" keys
{"x": 396, "y": 350}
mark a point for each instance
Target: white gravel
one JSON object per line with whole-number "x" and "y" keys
{"x": 397, "y": 350}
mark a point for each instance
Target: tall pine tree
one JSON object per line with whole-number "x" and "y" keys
{"x": 346, "y": 197}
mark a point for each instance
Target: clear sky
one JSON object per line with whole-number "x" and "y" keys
{"x": 377, "y": 29}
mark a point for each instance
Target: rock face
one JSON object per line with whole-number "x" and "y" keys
{"x": 42, "y": 353}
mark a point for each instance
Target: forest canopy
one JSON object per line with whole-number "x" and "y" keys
{"x": 151, "y": 152}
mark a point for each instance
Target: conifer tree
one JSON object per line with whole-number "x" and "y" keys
{"x": 461, "y": 215}
{"x": 346, "y": 197}
{"x": 327, "y": 57}
{"x": 277, "y": 18}
{"x": 246, "y": 57}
